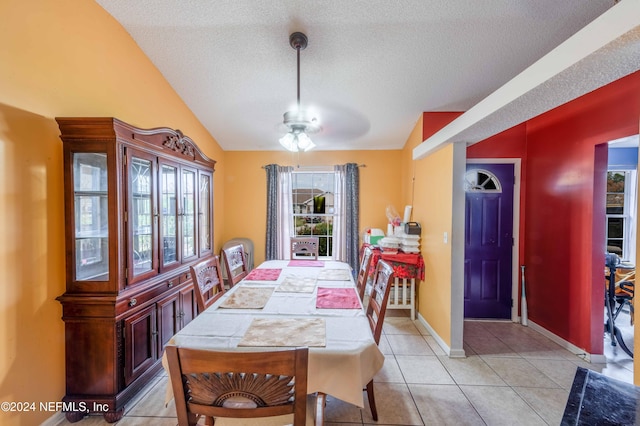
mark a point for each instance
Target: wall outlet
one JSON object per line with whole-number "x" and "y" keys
{"x": 445, "y": 237}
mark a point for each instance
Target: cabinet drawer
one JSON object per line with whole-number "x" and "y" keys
{"x": 135, "y": 301}
{"x": 172, "y": 282}
{"x": 185, "y": 276}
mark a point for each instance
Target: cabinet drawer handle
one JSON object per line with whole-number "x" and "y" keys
{"x": 188, "y": 275}
{"x": 170, "y": 284}
{"x": 133, "y": 302}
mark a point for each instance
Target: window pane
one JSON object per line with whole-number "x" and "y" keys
{"x": 615, "y": 192}
{"x": 486, "y": 181}
{"x": 614, "y": 243}
{"x": 319, "y": 204}
{"x": 615, "y": 203}
{"x": 615, "y": 182}
{"x": 615, "y": 227}
{"x": 324, "y": 231}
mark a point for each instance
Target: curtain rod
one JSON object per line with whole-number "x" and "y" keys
{"x": 318, "y": 167}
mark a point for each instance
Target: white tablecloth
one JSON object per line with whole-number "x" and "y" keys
{"x": 341, "y": 369}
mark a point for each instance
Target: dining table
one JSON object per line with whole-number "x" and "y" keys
{"x": 295, "y": 303}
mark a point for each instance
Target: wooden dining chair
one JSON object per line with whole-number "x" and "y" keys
{"x": 239, "y": 385}
{"x": 305, "y": 248}
{"x": 376, "y": 310}
{"x": 363, "y": 272}
{"x": 207, "y": 282}
{"x": 235, "y": 263}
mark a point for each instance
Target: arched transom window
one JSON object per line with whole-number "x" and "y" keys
{"x": 479, "y": 180}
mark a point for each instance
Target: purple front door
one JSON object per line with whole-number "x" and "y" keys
{"x": 488, "y": 240}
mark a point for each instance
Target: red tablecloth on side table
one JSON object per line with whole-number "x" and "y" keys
{"x": 405, "y": 265}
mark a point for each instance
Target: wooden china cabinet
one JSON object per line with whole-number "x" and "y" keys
{"x": 139, "y": 212}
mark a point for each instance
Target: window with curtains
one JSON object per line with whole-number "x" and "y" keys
{"x": 313, "y": 207}
{"x": 323, "y": 202}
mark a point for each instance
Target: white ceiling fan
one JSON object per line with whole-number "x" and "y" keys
{"x": 299, "y": 122}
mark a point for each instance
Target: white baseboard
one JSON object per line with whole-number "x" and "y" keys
{"x": 579, "y": 352}
{"x": 452, "y": 353}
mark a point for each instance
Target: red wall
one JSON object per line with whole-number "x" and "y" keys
{"x": 563, "y": 184}
{"x": 434, "y": 121}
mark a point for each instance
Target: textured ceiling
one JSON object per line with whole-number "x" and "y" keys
{"x": 371, "y": 67}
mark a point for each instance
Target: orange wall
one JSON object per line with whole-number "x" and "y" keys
{"x": 427, "y": 186}
{"x": 60, "y": 58}
{"x": 246, "y": 188}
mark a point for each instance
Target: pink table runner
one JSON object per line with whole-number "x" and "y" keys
{"x": 263, "y": 274}
{"x": 306, "y": 263}
{"x": 337, "y": 298}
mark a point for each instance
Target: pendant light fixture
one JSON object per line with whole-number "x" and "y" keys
{"x": 299, "y": 123}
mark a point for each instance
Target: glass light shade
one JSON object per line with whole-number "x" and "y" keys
{"x": 296, "y": 141}
{"x": 304, "y": 142}
{"x": 288, "y": 142}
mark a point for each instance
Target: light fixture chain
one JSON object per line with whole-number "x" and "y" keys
{"x": 298, "y": 50}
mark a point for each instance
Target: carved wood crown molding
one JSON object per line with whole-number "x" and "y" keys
{"x": 180, "y": 143}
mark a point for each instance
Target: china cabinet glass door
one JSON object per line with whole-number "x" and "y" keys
{"x": 91, "y": 216}
{"x": 188, "y": 213}
{"x": 169, "y": 214}
{"x": 205, "y": 199}
{"x": 142, "y": 214}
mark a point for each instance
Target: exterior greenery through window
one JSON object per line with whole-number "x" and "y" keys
{"x": 313, "y": 207}
{"x": 620, "y": 199}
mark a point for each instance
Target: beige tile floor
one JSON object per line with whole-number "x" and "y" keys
{"x": 511, "y": 375}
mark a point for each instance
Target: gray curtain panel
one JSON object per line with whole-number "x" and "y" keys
{"x": 352, "y": 204}
{"x": 271, "y": 249}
